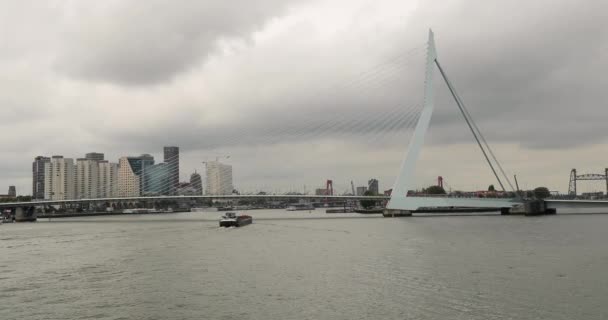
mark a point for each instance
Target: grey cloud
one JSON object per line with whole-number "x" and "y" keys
{"x": 136, "y": 44}
{"x": 529, "y": 71}
{"x": 523, "y": 69}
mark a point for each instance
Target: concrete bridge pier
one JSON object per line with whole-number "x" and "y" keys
{"x": 23, "y": 214}
{"x": 529, "y": 208}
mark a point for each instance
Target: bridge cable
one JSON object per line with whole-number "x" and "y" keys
{"x": 458, "y": 102}
{"x": 483, "y": 139}
{"x": 488, "y": 147}
{"x": 377, "y": 75}
{"x": 394, "y": 118}
{"x": 374, "y": 128}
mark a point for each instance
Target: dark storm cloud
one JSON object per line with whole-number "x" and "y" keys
{"x": 135, "y": 43}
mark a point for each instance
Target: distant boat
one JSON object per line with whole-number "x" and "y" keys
{"x": 341, "y": 210}
{"x": 230, "y": 219}
{"x": 137, "y": 210}
{"x": 203, "y": 209}
{"x": 299, "y": 207}
{"x": 6, "y": 220}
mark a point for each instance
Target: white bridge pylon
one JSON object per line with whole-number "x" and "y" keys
{"x": 405, "y": 179}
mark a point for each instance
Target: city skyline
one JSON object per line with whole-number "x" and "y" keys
{"x": 94, "y": 176}
{"x": 61, "y": 178}
{"x": 342, "y": 186}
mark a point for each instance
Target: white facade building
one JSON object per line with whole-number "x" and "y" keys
{"x": 108, "y": 179}
{"x": 87, "y": 179}
{"x": 219, "y": 178}
{"x": 128, "y": 181}
{"x": 59, "y": 179}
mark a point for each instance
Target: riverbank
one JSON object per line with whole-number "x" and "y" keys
{"x": 94, "y": 214}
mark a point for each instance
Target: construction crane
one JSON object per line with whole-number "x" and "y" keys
{"x": 217, "y": 158}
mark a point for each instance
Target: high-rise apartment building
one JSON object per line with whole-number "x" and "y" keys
{"x": 361, "y": 191}
{"x": 59, "y": 180}
{"x": 12, "y": 191}
{"x": 171, "y": 158}
{"x": 108, "y": 179}
{"x": 186, "y": 189}
{"x": 372, "y": 185}
{"x": 128, "y": 181}
{"x": 38, "y": 177}
{"x": 219, "y": 178}
{"x": 94, "y": 156}
{"x": 197, "y": 183}
{"x": 87, "y": 178}
{"x": 131, "y": 173}
{"x": 156, "y": 180}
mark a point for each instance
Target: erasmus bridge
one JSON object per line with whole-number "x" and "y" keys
{"x": 399, "y": 201}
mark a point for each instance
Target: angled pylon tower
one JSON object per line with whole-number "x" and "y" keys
{"x": 405, "y": 179}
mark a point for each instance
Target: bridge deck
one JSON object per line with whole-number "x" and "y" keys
{"x": 414, "y": 203}
{"x": 211, "y": 197}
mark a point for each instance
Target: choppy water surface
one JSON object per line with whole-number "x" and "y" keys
{"x": 301, "y": 266}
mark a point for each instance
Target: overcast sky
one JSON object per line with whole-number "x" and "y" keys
{"x": 251, "y": 80}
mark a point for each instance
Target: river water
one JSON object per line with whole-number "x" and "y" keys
{"x": 302, "y": 265}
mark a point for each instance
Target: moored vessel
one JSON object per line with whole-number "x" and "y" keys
{"x": 300, "y": 207}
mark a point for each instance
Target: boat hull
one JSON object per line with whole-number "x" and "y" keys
{"x": 244, "y": 221}
{"x": 228, "y": 223}
{"x": 238, "y": 222}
